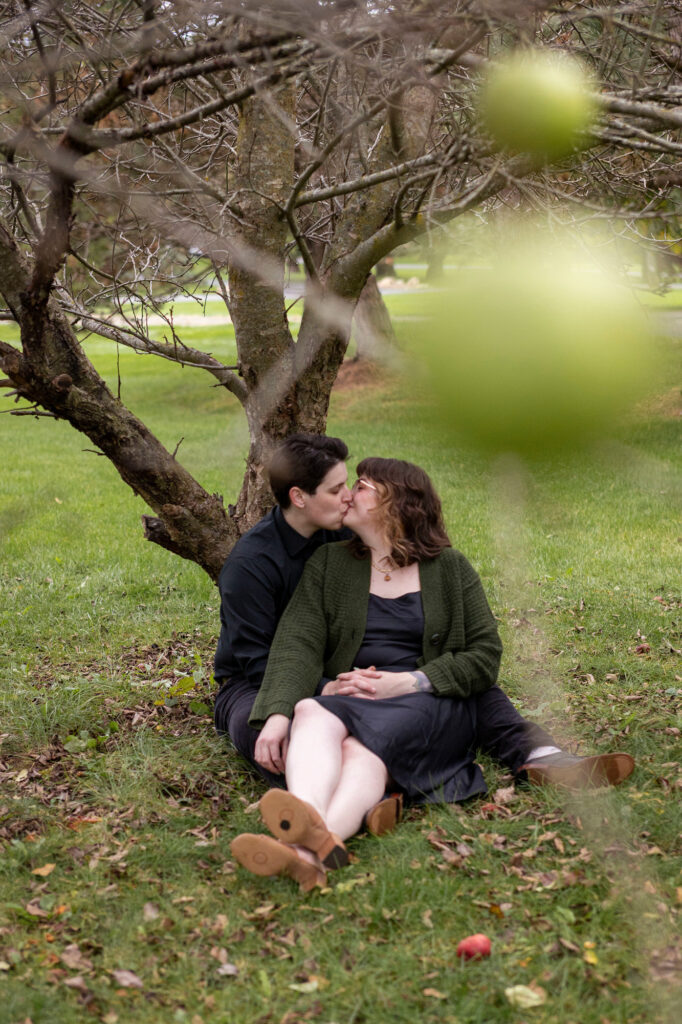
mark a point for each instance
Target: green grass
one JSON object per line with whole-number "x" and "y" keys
{"x": 110, "y": 770}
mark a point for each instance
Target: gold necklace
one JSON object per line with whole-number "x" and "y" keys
{"x": 387, "y": 573}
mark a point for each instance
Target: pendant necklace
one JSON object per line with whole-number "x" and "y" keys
{"x": 386, "y": 573}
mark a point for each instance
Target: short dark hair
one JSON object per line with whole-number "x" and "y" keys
{"x": 303, "y": 460}
{"x": 410, "y": 511}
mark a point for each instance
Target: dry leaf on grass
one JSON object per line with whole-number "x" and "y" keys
{"x": 77, "y": 982}
{"x": 35, "y": 909}
{"x": 73, "y": 958}
{"x": 150, "y": 912}
{"x": 227, "y": 971}
{"x": 127, "y": 979}
{"x": 525, "y": 997}
{"x": 46, "y": 870}
{"x": 504, "y": 796}
{"x": 305, "y": 986}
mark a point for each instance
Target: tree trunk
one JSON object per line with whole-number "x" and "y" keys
{"x": 372, "y": 327}
{"x": 262, "y": 180}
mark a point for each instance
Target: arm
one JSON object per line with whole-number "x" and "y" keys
{"x": 471, "y": 669}
{"x": 248, "y": 616}
{"x": 296, "y": 660}
{"x": 372, "y": 685}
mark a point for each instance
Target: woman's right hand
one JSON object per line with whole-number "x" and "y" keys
{"x": 356, "y": 683}
{"x": 272, "y": 743}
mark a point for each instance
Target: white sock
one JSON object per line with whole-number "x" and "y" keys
{"x": 542, "y": 752}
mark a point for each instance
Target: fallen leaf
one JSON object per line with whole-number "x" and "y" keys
{"x": 322, "y": 982}
{"x": 524, "y": 997}
{"x": 505, "y": 796}
{"x": 77, "y": 982}
{"x": 352, "y": 882}
{"x": 434, "y": 993}
{"x": 46, "y": 870}
{"x": 76, "y": 823}
{"x": 227, "y": 971}
{"x": 127, "y": 979}
{"x": 426, "y": 919}
{"x": 666, "y": 964}
{"x": 305, "y": 986}
{"x": 73, "y": 958}
{"x": 35, "y": 909}
{"x": 150, "y": 912}
{"x": 445, "y": 849}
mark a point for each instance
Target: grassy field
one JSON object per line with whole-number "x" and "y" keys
{"x": 119, "y": 900}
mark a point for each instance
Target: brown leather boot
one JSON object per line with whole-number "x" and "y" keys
{"x": 292, "y": 820}
{"x": 263, "y": 855}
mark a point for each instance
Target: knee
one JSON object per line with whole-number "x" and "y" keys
{"x": 307, "y": 708}
{"x": 308, "y": 714}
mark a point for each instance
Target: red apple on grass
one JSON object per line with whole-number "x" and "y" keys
{"x": 474, "y": 947}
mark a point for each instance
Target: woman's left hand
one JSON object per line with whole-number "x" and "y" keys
{"x": 378, "y": 685}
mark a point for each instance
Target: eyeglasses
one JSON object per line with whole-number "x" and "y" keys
{"x": 363, "y": 485}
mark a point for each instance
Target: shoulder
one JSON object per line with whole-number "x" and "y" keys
{"x": 332, "y": 556}
{"x": 449, "y": 565}
{"x": 450, "y": 559}
{"x": 254, "y": 549}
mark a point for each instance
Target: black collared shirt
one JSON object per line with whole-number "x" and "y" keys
{"x": 257, "y": 580}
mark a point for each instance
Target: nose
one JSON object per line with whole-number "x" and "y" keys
{"x": 347, "y": 495}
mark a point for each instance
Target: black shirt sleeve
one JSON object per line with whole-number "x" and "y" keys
{"x": 250, "y": 591}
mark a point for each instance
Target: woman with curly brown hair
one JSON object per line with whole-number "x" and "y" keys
{"x": 396, "y": 625}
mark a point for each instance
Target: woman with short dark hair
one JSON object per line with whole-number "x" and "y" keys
{"x": 397, "y": 605}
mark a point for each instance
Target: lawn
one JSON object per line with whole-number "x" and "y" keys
{"x": 119, "y": 899}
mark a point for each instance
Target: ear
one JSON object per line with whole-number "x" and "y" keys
{"x": 296, "y": 496}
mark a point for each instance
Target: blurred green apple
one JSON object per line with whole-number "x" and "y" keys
{"x": 537, "y": 102}
{"x": 535, "y": 355}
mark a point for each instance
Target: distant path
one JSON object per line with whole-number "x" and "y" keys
{"x": 670, "y": 320}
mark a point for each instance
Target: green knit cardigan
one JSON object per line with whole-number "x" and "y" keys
{"x": 323, "y": 626}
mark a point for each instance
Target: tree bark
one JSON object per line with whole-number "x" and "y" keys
{"x": 53, "y": 372}
{"x": 372, "y": 327}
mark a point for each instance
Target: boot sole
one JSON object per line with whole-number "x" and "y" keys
{"x": 267, "y": 857}
{"x": 292, "y": 820}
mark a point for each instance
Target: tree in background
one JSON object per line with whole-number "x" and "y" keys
{"x": 151, "y": 150}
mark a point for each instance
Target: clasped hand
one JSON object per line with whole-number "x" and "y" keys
{"x": 369, "y": 684}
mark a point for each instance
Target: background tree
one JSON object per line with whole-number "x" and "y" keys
{"x": 151, "y": 150}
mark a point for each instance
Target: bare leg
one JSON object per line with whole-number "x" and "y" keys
{"x": 331, "y": 770}
{"x": 314, "y": 757}
{"x": 361, "y": 785}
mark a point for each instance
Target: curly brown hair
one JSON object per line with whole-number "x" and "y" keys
{"x": 409, "y": 511}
